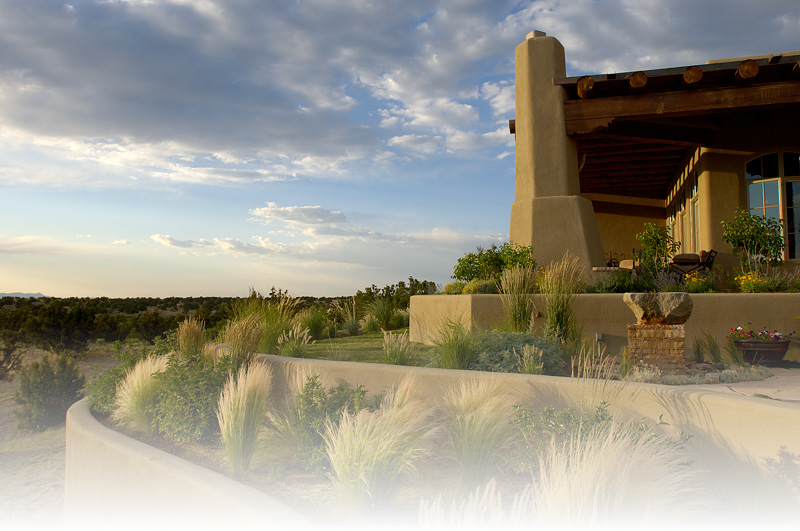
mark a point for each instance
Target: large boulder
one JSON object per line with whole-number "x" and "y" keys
{"x": 660, "y": 308}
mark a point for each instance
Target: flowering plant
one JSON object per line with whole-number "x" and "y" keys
{"x": 745, "y": 332}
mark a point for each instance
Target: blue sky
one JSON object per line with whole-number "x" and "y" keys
{"x": 203, "y": 147}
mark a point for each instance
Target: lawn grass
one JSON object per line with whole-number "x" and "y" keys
{"x": 366, "y": 348}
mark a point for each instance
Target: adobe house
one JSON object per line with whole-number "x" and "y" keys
{"x": 598, "y": 156}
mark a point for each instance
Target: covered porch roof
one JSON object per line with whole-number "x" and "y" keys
{"x": 635, "y": 130}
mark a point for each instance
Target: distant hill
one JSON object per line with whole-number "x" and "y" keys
{"x": 18, "y": 294}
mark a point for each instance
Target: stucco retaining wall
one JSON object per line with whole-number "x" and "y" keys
{"x": 607, "y": 314}
{"x": 738, "y": 440}
{"x": 117, "y": 482}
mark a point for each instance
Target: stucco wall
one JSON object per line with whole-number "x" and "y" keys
{"x": 735, "y": 438}
{"x": 114, "y": 481}
{"x": 607, "y": 314}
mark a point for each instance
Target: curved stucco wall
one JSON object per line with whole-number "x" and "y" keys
{"x": 117, "y": 482}
{"x": 736, "y": 439}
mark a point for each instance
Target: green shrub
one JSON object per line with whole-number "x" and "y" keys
{"x": 188, "y": 394}
{"x": 241, "y": 410}
{"x": 137, "y": 394}
{"x": 454, "y": 288}
{"x": 535, "y": 431}
{"x": 352, "y": 327}
{"x": 297, "y": 433}
{"x": 369, "y": 324}
{"x": 622, "y": 281}
{"x": 476, "y": 418}
{"x": 455, "y": 346}
{"x": 481, "y": 287}
{"x": 496, "y": 352}
{"x": 489, "y": 264}
{"x": 46, "y": 391}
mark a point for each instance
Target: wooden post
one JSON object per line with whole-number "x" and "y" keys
{"x": 748, "y": 69}
{"x": 692, "y": 76}
{"x": 585, "y": 86}
{"x": 637, "y": 81}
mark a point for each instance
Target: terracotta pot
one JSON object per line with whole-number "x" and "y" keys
{"x": 762, "y": 351}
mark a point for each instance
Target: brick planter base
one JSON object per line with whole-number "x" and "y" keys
{"x": 660, "y": 345}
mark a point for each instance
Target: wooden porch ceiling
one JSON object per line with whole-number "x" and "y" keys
{"x": 634, "y": 131}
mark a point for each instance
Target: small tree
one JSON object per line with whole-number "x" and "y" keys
{"x": 756, "y": 240}
{"x": 658, "y": 247}
{"x": 489, "y": 264}
{"x": 46, "y": 392}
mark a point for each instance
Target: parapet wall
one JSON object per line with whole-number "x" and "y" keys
{"x": 114, "y": 481}
{"x": 608, "y": 315}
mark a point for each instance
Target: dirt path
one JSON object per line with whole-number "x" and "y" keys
{"x": 32, "y": 463}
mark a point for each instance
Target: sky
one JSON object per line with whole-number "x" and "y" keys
{"x": 154, "y": 148}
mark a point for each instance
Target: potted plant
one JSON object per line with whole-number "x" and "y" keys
{"x": 760, "y": 346}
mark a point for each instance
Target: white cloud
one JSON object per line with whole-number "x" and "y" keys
{"x": 417, "y": 143}
{"x": 169, "y": 241}
{"x": 120, "y": 242}
{"x": 303, "y": 215}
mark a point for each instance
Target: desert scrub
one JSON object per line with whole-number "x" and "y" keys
{"x": 370, "y": 452}
{"x": 498, "y": 351}
{"x": 137, "y": 394}
{"x": 381, "y": 310}
{"x": 46, "y": 391}
{"x": 455, "y": 346}
{"x": 241, "y": 410}
{"x": 315, "y": 320}
{"x": 483, "y": 508}
{"x": 188, "y": 394}
{"x": 611, "y": 473}
{"x": 397, "y": 349}
{"x": 476, "y": 418}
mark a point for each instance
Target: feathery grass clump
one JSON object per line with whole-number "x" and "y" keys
{"x": 707, "y": 347}
{"x": 482, "y": 509}
{"x": 314, "y": 319}
{"x": 293, "y": 341}
{"x": 242, "y": 336}
{"x": 398, "y": 349}
{"x": 750, "y": 504}
{"x": 516, "y": 285}
{"x": 476, "y": 417}
{"x": 615, "y": 474}
{"x": 241, "y": 410}
{"x": 560, "y": 282}
{"x": 456, "y": 345}
{"x": 372, "y": 451}
{"x": 191, "y": 338}
{"x": 529, "y": 360}
{"x": 137, "y": 393}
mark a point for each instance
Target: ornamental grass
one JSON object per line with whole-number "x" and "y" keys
{"x": 241, "y": 411}
{"x": 371, "y": 452}
{"x": 137, "y": 394}
{"x": 615, "y": 474}
{"x": 476, "y": 417}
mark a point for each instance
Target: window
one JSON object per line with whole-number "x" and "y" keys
{"x": 768, "y": 176}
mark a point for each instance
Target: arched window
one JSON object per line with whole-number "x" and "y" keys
{"x": 773, "y": 190}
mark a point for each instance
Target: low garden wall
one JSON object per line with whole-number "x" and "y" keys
{"x": 742, "y": 444}
{"x": 114, "y": 481}
{"x": 738, "y": 440}
{"x": 607, "y": 314}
